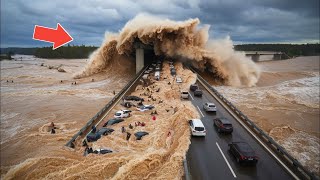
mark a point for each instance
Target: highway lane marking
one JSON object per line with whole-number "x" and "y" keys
{"x": 191, "y": 96}
{"x": 200, "y": 111}
{"x": 223, "y": 104}
{"x": 234, "y": 175}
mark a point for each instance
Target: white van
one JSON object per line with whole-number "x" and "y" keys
{"x": 184, "y": 95}
{"x": 178, "y": 79}
{"x": 157, "y": 75}
{"x": 145, "y": 76}
{"x": 197, "y": 128}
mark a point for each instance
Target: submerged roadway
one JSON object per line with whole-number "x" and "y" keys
{"x": 208, "y": 157}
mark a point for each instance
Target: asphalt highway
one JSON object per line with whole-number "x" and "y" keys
{"x": 208, "y": 157}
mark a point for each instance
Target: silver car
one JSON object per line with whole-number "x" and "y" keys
{"x": 178, "y": 79}
{"x": 209, "y": 107}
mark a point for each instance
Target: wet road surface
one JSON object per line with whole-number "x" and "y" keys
{"x": 208, "y": 157}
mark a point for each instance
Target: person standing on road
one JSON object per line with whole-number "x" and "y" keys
{"x": 123, "y": 130}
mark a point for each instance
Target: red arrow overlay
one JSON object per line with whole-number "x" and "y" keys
{"x": 58, "y": 36}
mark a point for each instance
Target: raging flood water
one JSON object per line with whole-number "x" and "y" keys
{"x": 285, "y": 104}
{"x": 37, "y": 97}
{"x": 286, "y": 107}
{"x": 283, "y": 100}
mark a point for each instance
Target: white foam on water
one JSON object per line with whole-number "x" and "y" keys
{"x": 305, "y": 148}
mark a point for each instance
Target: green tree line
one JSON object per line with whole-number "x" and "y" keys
{"x": 67, "y": 52}
{"x": 289, "y": 49}
{"x": 73, "y": 52}
{"x": 17, "y": 50}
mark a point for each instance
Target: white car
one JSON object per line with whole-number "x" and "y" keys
{"x": 197, "y": 128}
{"x": 179, "y": 80}
{"x": 184, "y": 95}
{"x": 145, "y": 76}
{"x": 122, "y": 114}
{"x": 209, "y": 107}
{"x": 145, "y": 108}
{"x": 157, "y": 75}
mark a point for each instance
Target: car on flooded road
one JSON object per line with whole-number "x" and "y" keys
{"x": 122, "y": 114}
{"x": 178, "y": 79}
{"x": 91, "y": 137}
{"x": 243, "y": 153}
{"x": 223, "y": 125}
{"x": 194, "y": 87}
{"x": 112, "y": 121}
{"x": 145, "y": 108}
{"x": 197, "y": 128}
{"x": 133, "y": 98}
{"x": 184, "y": 94}
{"x": 105, "y": 131}
{"x": 198, "y": 92}
{"x": 209, "y": 107}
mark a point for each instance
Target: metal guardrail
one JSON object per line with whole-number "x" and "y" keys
{"x": 90, "y": 123}
{"x": 186, "y": 170}
{"x": 290, "y": 161}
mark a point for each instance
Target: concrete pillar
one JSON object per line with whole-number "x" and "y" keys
{"x": 139, "y": 59}
{"x": 277, "y": 56}
{"x": 256, "y": 57}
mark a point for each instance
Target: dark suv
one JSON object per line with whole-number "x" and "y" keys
{"x": 194, "y": 87}
{"x": 223, "y": 125}
{"x": 133, "y": 98}
{"x": 243, "y": 153}
{"x": 197, "y": 92}
{"x": 91, "y": 137}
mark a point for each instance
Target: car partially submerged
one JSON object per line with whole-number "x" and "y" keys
{"x": 184, "y": 94}
{"x": 140, "y": 134}
{"x": 105, "y": 131}
{"x": 133, "y": 98}
{"x": 127, "y": 104}
{"x": 173, "y": 72}
{"x": 157, "y": 75}
{"x": 102, "y": 151}
{"x": 122, "y": 114}
{"x": 145, "y": 107}
{"x": 178, "y": 79}
{"x": 91, "y": 137}
{"x": 112, "y": 121}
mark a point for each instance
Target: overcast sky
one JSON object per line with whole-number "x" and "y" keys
{"x": 245, "y": 21}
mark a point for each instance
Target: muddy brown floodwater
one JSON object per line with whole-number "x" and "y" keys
{"x": 37, "y": 97}
{"x": 285, "y": 104}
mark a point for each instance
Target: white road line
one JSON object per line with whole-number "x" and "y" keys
{"x": 200, "y": 111}
{"x": 234, "y": 175}
{"x": 223, "y": 104}
{"x": 190, "y": 96}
